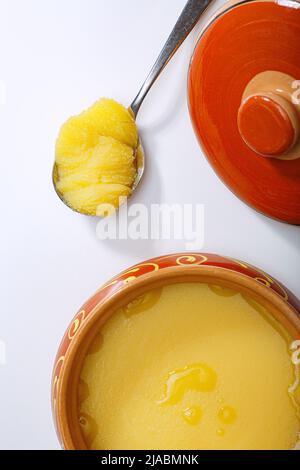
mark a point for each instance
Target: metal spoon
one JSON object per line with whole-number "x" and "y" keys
{"x": 185, "y": 24}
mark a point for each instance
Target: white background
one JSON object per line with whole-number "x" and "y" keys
{"x": 56, "y": 58}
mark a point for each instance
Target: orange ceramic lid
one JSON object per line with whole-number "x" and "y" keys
{"x": 244, "y": 94}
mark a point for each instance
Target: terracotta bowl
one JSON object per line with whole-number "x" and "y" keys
{"x": 136, "y": 281}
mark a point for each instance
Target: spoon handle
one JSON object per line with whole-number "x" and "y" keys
{"x": 186, "y": 22}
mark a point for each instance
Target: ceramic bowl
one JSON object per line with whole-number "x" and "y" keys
{"x": 136, "y": 281}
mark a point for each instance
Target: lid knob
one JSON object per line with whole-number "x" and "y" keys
{"x": 268, "y": 125}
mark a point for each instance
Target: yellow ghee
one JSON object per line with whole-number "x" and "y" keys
{"x": 190, "y": 366}
{"x": 96, "y": 154}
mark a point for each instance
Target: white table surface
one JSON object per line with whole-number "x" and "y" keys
{"x": 56, "y": 58}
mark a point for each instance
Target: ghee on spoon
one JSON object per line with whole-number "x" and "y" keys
{"x": 72, "y": 181}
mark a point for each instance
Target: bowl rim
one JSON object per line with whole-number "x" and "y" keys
{"x": 67, "y": 415}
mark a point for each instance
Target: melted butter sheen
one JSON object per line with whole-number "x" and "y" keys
{"x": 227, "y": 415}
{"x": 198, "y": 377}
{"x": 89, "y": 428}
{"x": 142, "y": 303}
{"x": 192, "y": 415}
{"x": 185, "y": 367}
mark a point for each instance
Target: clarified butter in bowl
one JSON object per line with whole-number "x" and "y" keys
{"x": 189, "y": 357}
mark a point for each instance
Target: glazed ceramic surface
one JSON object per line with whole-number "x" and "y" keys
{"x": 246, "y": 120}
{"x": 143, "y": 270}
